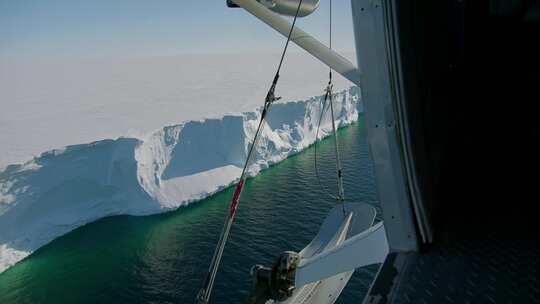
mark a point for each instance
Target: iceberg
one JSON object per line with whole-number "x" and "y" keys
{"x": 66, "y": 188}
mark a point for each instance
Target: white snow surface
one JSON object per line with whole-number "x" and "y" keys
{"x": 51, "y": 103}
{"x": 66, "y": 188}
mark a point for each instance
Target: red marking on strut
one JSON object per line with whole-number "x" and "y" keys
{"x": 236, "y": 198}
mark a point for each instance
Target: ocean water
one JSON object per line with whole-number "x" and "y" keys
{"x": 163, "y": 258}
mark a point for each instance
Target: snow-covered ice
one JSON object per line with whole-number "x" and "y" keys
{"x": 46, "y": 104}
{"x": 49, "y": 104}
{"x": 63, "y": 189}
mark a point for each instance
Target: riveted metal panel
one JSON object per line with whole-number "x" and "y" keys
{"x": 381, "y": 124}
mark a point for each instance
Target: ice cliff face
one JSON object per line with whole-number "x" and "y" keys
{"x": 64, "y": 189}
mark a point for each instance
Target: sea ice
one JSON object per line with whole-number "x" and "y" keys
{"x": 66, "y": 188}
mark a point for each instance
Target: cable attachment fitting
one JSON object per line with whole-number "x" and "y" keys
{"x": 328, "y": 90}
{"x": 270, "y": 96}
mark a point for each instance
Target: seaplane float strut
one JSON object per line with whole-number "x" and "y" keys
{"x": 349, "y": 237}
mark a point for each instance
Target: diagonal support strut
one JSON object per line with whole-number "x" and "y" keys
{"x": 304, "y": 40}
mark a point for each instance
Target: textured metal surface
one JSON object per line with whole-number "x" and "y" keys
{"x": 383, "y": 132}
{"x": 488, "y": 270}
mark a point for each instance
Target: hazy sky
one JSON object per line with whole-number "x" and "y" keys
{"x": 112, "y": 28}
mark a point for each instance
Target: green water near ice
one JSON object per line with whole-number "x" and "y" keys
{"x": 163, "y": 258}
